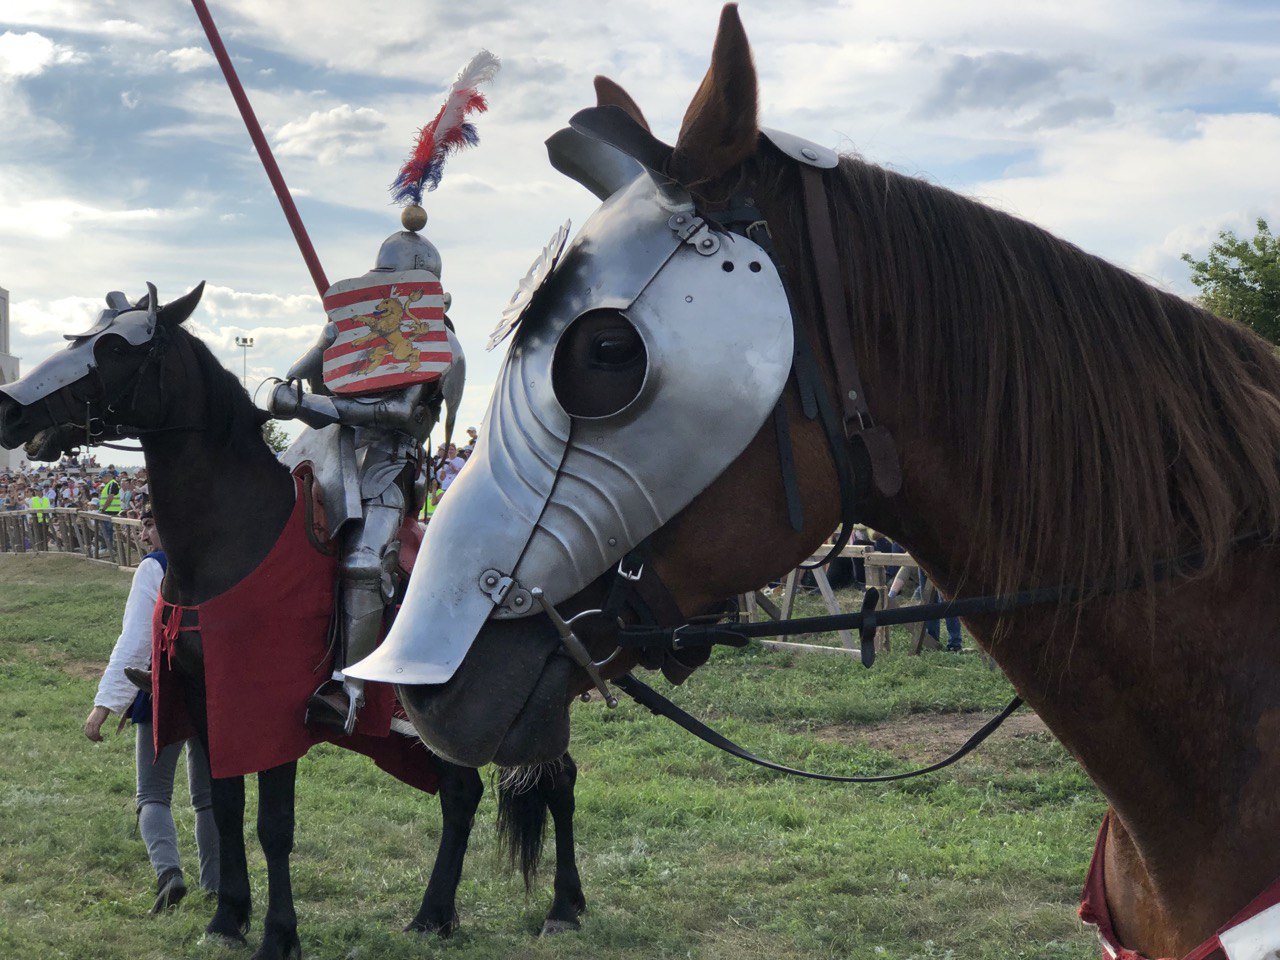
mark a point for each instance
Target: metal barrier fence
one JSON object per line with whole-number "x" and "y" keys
{"x": 86, "y": 533}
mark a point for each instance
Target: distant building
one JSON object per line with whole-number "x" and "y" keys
{"x": 9, "y": 459}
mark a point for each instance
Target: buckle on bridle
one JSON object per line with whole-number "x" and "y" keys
{"x": 632, "y": 575}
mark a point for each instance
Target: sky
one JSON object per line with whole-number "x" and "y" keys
{"x": 1137, "y": 130}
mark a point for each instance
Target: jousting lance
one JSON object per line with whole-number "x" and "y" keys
{"x": 264, "y": 150}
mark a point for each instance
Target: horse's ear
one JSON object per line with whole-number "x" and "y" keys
{"x": 177, "y": 312}
{"x": 609, "y": 94}
{"x": 720, "y": 129}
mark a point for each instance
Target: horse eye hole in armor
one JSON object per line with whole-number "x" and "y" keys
{"x": 600, "y": 365}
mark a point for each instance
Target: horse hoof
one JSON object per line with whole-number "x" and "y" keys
{"x": 224, "y": 940}
{"x": 553, "y": 927}
{"x": 442, "y": 929}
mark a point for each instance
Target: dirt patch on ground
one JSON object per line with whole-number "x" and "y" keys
{"x": 80, "y": 669}
{"x": 931, "y": 735}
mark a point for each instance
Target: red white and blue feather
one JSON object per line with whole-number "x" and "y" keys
{"x": 448, "y": 133}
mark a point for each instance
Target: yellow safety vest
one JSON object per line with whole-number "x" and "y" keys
{"x": 39, "y": 505}
{"x": 109, "y": 499}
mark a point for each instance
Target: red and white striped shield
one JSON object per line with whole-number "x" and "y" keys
{"x": 391, "y": 332}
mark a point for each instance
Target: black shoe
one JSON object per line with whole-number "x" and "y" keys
{"x": 327, "y": 711}
{"x": 139, "y": 678}
{"x": 170, "y": 889}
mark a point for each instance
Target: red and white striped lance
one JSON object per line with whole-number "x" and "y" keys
{"x": 391, "y": 332}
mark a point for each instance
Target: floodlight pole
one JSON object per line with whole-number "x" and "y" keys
{"x": 244, "y": 343}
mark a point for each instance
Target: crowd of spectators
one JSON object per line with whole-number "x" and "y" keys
{"x": 77, "y": 484}
{"x": 443, "y": 468}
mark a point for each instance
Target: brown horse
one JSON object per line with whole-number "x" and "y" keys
{"x": 1057, "y": 421}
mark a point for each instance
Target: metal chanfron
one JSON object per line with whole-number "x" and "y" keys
{"x": 136, "y": 325}
{"x": 479, "y": 529}
{"x": 553, "y": 501}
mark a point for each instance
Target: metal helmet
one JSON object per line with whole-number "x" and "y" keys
{"x": 408, "y": 249}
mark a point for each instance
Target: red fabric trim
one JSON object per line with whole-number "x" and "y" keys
{"x": 333, "y": 301}
{"x": 266, "y": 649}
{"x": 1094, "y": 909}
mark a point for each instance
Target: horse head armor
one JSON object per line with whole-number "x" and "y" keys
{"x": 566, "y": 480}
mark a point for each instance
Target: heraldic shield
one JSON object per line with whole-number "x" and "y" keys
{"x": 391, "y": 332}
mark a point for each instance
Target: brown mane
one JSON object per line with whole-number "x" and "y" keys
{"x": 1100, "y": 425}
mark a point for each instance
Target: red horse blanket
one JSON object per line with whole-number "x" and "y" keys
{"x": 1252, "y": 934}
{"x": 266, "y": 649}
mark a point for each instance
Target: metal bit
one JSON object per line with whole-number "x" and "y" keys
{"x": 577, "y": 650}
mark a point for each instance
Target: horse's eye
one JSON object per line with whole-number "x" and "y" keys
{"x": 600, "y": 365}
{"x": 616, "y": 348}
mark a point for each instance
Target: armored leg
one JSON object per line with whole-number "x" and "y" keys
{"x": 368, "y": 565}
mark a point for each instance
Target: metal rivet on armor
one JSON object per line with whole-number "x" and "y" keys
{"x": 753, "y": 266}
{"x": 853, "y": 394}
{"x": 706, "y": 242}
{"x": 519, "y": 601}
{"x": 613, "y": 541}
{"x": 490, "y": 580}
{"x": 727, "y": 266}
{"x": 809, "y": 153}
{"x": 689, "y": 299}
{"x": 399, "y": 669}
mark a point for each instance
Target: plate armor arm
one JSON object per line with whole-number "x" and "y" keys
{"x": 402, "y": 410}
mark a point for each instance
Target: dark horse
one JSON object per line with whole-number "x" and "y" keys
{"x": 1057, "y": 421}
{"x": 220, "y": 498}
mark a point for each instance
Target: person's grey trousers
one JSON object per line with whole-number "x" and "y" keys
{"x": 155, "y": 793}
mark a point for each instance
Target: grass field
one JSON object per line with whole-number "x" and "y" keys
{"x": 684, "y": 852}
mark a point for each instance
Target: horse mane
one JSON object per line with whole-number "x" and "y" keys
{"x": 231, "y": 419}
{"x": 1097, "y": 424}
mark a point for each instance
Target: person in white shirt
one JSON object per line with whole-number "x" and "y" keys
{"x": 117, "y": 694}
{"x": 451, "y": 467}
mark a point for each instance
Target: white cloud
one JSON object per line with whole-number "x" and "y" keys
{"x": 25, "y": 55}
{"x": 332, "y": 135}
{"x": 186, "y": 59}
{"x": 130, "y": 99}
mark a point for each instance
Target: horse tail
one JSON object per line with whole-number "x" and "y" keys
{"x": 522, "y": 815}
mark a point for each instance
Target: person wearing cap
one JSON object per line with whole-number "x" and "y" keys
{"x": 117, "y": 694}
{"x": 472, "y": 434}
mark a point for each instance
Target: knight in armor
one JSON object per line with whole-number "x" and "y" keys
{"x": 384, "y": 365}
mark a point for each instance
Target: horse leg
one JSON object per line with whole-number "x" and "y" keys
{"x": 460, "y": 792}
{"x": 568, "y": 904}
{"x": 275, "y": 833}
{"x": 231, "y": 918}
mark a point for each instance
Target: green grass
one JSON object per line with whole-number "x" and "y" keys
{"x": 684, "y": 852}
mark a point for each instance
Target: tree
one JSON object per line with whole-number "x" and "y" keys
{"x": 275, "y": 436}
{"x": 1240, "y": 280}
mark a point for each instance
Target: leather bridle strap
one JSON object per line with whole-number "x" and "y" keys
{"x": 646, "y": 696}
{"x": 858, "y": 423}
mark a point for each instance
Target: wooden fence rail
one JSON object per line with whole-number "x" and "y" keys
{"x": 759, "y": 607}
{"x": 86, "y": 533}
